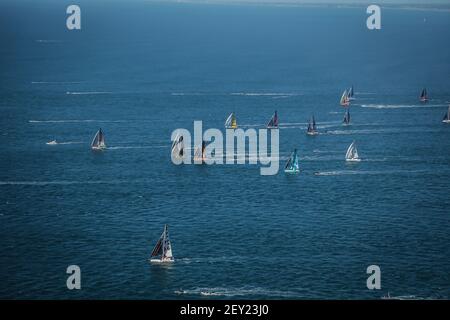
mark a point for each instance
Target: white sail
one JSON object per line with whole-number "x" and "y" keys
{"x": 344, "y": 98}
{"x": 352, "y": 153}
{"x": 163, "y": 248}
{"x": 178, "y": 146}
{"x": 228, "y": 121}
{"x": 447, "y": 116}
{"x": 99, "y": 141}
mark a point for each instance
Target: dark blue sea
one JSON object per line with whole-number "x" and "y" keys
{"x": 140, "y": 70}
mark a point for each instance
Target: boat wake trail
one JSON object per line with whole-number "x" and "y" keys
{"x": 357, "y": 172}
{"x": 265, "y": 94}
{"x": 74, "y": 121}
{"x": 400, "y": 106}
{"x": 87, "y": 92}
{"x": 238, "y": 291}
{"x": 54, "y": 143}
{"x": 55, "y": 82}
{"x": 379, "y": 131}
{"x": 136, "y": 147}
{"x": 61, "y": 182}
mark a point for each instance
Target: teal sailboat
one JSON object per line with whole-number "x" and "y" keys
{"x": 292, "y": 165}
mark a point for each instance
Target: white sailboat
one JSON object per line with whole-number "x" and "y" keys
{"x": 178, "y": 146}
{"x": 352, "y": 153}
{"x": 447, "y": 116}
{"x": 423, "y": 95}
{"x": 345, "y": 101}
{"x": 98, "y": 143}
{"x": 162, "y": 252}
{"x": 52, "y": 143}
{"x": 231, "y": 123}
{"x": 312, "y": 128}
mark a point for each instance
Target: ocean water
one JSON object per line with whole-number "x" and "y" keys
{"x": 140, "y": 70}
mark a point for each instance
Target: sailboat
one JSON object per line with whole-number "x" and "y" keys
{"x": 312, "y": 129}
{"x": 352, "y": 153}
{"x": 292, "y": 165}
{"x": 447, "y": 116}
{"x": 347, "y": 117}
{"x": 350, "y": 94}
{"x": 98, "y": 143}
{"x": 424, "y": 95}
{"x": 52, "y": 143}
{"x": 199, "y": 154}
{"x": 273, "y": 123}
{"x": 162, "y": 252}
{"x": 178, "y": 146}
{"x": 230, "y": 123}
{"x": 344, "y": 99}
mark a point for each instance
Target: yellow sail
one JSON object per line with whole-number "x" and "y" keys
{"x": 233, "y": 122}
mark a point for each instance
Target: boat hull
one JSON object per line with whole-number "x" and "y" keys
{"x": 291, "y": 171}
{"x": 446, "y": 121}
{"x": 99, "y": 148}
{"x": 161, "y": 260}
{"x": 312, "y": 133}
{"x": 353, "y": 160}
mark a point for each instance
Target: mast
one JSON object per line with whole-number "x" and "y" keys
{"x": 314, "y": 124}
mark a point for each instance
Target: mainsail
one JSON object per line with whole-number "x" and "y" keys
{"x": 273, "y": 123}
{"x": 163, "y": 248}
{"x": 347, "y": 117}
{"x": 424, "y": 95}
{"x": 292, "y": 165}
{"x": 352, "y": 153}
{"x": 178, "y": 146}
{"x": 447, "y": 116}
{"x": 199, "y": 154}
{"x": 231, "y": 123}
{"x": 344, "y": 99}
{"x": 350, "y": 93}
{"x": 99, "y": 140}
